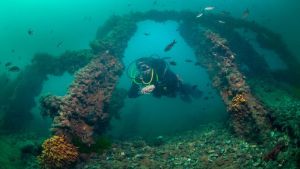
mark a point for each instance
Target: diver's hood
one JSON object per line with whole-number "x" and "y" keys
{"x": 140, "y": 67}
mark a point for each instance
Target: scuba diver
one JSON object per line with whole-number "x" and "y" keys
{"x": 151, "y": 75}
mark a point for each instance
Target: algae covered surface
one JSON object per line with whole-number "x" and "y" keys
{"x": 149, "y": 84}
{"x": 209, "y": 146}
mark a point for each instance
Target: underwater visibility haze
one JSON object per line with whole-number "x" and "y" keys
{"x": 208, "y": 84}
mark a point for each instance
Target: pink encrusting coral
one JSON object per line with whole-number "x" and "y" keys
{"x": 81, "y": 112}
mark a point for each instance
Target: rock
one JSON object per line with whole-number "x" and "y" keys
{"x": 256, "y": 164}
{"x": 158, "y": 141}
{"x": 228, "y": 142}
{"x": 220, "y": 162}
{"x": 139, "y": 156}
{"x": 29, "y": 148}
{"x": 211, "y": 151}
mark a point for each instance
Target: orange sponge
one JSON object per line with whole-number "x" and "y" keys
{"x": 57, "y": 153}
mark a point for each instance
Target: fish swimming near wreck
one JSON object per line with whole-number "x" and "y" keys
{"x": 222, "y": 22}
{"x": 209, "y": 8}
{"x": 225, "y": 13}
{"x": 173, "y": 63}
{"x": 199, "y": 15}
{"x": 188, "y": 60}
{"x": 14, "y": 69}
{"x": 166, "y": 57}
{"x": 170, "y": 46}
{"x": 246, "y": 13}
{"x": 30, "y": 32}
{"x": 59, "y": 44}
{"x": 7, "y": 64}
{"x": 197, "y": 64}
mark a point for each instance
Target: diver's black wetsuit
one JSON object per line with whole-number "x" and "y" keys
{"x": 167, "y": 83}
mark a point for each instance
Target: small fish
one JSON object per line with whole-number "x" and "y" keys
{"x": 226, "y": 13}
{"x": 246, "y": 13}
{"x": 199, "y": 15}
{"x": 209, "y": 8}
{"x": 14, "y": 69}
{"x": 165, "y": 58}
{"x": 173, "y": 63}
{"x": 30, "y": 32}
{"x": 59, "y": 44}
{"x": 197, "y": 64}
{"x": 7, "y": 64}
{"x": 154, "y": 2}
{"x": 222, "y": 22}
{"x": 146, "y": 34}
{"x": 188, "y": 60}
{"x": 170, "y": 46}
{"x": 13, "y": 51}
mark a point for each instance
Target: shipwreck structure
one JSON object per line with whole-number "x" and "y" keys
{"x": 84, "y": 113}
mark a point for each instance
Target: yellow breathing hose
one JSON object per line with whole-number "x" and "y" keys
{"x": 152, "y": 72}
{"x": 133, "y": 76}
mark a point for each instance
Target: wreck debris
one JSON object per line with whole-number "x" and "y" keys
{"x": 248, "y": 116}
{"x": 274, "y": 152}
{"x": 81, "y": 112}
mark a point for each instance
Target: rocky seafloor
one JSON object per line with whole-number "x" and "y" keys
{"x": 210, "y": 146}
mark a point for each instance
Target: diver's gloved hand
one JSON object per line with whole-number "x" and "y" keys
{"x": 148, "y": 89}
